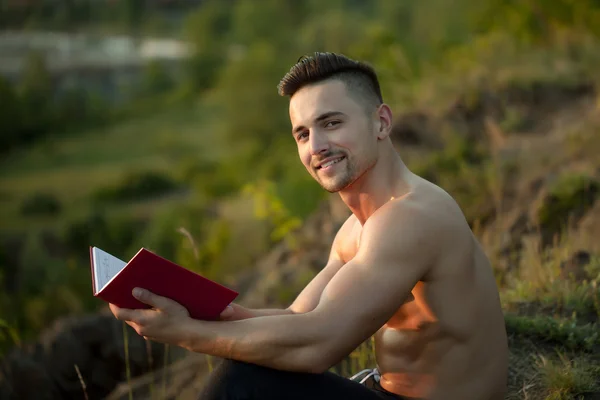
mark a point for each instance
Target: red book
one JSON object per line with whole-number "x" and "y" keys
{"x": 114, "y": 279}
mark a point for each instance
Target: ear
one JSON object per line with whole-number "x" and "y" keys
{"x": 384, "y": 119}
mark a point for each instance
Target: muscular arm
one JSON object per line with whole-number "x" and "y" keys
{"x": 308, "y": 299}
{"x": 355, "y": 303}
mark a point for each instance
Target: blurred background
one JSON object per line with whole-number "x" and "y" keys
{"x": 157, "y": 123}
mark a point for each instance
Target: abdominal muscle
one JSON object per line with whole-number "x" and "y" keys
{"x": 402, "y": 361}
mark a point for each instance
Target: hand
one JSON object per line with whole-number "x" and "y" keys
{"x": 228, "y": 314}
{"x": 165, "y": 322}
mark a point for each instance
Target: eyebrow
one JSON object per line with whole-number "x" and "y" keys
{"x": 320, "y": 118}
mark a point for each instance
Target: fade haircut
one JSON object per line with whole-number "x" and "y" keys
{"x": 358, "y": 77}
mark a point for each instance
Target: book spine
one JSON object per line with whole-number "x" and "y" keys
{"x": 92, "y": 270}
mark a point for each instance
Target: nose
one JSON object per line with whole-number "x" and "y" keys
{"x": 318, "y": 143}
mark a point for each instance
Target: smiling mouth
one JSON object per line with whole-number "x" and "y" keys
{"x": 330, "y": 163}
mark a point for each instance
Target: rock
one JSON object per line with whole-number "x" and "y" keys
{"x": 24, "y": 377}
{"x": 93, "y": 343}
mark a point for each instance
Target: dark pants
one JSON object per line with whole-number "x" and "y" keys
{"x": 234, "y": 380}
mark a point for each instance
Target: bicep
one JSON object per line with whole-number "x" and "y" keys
{"x": 360, "y": 299}
{"x": 309, "y": 298}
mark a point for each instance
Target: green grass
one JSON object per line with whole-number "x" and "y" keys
{"x": 137, "y": 139}
{"x": 566, "y": 378}
{"x": 71, "y": 168}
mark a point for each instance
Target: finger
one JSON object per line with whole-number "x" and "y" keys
{"x": 156, "y": 301}
{"x": 133, "y": 325}
{"x": 125, "y": 314}
{"x": 139, "y": 329}
{"x": 227, "y": 312}
{"x": 113, "y": 309}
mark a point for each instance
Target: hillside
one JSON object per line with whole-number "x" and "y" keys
{"x": 549, "y": 175}
{"x": 497, "y": 102}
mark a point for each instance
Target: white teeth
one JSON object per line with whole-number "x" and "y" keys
{"x": 327, "y": 164}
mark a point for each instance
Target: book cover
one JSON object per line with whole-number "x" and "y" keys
{"x": 113, "y": 281}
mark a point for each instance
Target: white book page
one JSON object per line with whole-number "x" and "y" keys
{"x": 106, "y": 266}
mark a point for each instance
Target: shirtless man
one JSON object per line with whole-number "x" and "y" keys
{"x": 404, "y": 267}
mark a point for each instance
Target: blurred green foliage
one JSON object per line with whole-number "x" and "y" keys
{"x": 136, "y": 185}
{"x": 564, "y": 332}
{"x": 124, "y": 15}
{"x": 569, "y": 197}
{"x": 269, "y": 207}
{"x": 247, "y": 190}
{"x": 41, "y": 204}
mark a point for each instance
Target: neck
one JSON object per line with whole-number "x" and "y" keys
{"x": 387, "y": 179}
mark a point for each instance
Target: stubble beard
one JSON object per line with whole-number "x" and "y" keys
{"x": 340, "y": 181}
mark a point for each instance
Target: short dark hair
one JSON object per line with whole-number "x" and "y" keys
{"x": 359, "y": 77}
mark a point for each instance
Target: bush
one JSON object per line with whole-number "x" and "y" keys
{"x": 136, "y": 186}
{"x": 41, "y": 204}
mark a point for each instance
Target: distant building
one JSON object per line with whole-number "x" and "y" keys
{"x": 105, "y": 63}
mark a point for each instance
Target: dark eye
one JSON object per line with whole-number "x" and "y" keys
{"x": 332, "y": 123}
{"x": 301, "y": 135}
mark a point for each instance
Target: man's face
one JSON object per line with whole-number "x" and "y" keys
{"x": 336, "y": 138}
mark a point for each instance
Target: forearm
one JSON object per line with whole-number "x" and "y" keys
{"x": 295, "y": 342}
{"x": 241, "y": 312}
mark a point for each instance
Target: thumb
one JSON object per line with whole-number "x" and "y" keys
{"x": 227, "y": 312}
{"x": 158, "y": 302}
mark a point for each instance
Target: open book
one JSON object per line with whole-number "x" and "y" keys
{"x": 114, "y": 279}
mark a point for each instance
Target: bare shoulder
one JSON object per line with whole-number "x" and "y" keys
{"x": 438, "y": 203}
{"x": 449, "y": 234}
{"x": 399, "y": 232}
{"x": 417, "y": 224}
{"x": 426, "y": 208}
{"x": 432, "y": 206}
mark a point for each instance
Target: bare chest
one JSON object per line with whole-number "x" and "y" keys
{"x": 348, "y": 246}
